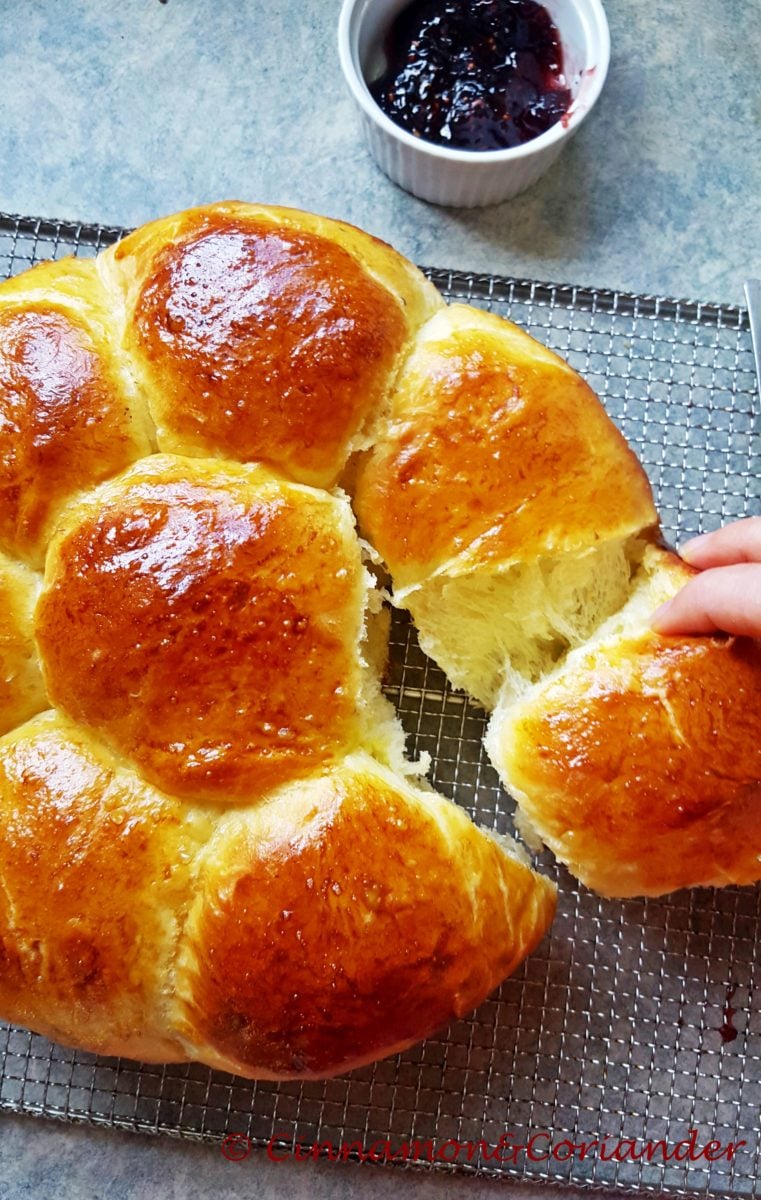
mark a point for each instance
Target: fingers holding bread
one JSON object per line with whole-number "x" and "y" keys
{"x": 722, "y": 598}
{"x": 738, "y": 542}
{"x": 726, "y": 596}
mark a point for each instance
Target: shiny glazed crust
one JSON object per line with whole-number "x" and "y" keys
{"x": 486, "y": 457}
{"x": 357, "y": 897}
{"x": 639, "y": 761}
{"x": 212, "y": 750}
{"x": 211, "y": 846}
{"x": 203, "y": 617}
{"x": 69, "y": 413}
{"x": 265, "y": 334}
{"x": 96, "y": 868}
{"x": 256, "y": 940}
{"x": 22, "y": 692}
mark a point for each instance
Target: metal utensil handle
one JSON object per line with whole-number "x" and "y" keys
{"x": 753, "y": 296}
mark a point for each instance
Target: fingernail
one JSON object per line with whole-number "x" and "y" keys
{"x": 688, "y": 548}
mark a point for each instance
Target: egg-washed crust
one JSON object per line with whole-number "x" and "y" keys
{"x": 264, "y": 334}
{"x": 639, "y": 762}
{"x": 209, "y": 847}
{"x": 197, "y": 643}
{"x": 69, "y": 413}
{"x": 95, "y": 867}
{"x": 496, "y": 452}
{"x": 378, "y": 904}
{"x": 22, "y": 692}
{"x": 134, "y": 924}
{"x": 204, "y": 618}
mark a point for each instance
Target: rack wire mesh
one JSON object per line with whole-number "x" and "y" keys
{"x": 616, "y": 1030}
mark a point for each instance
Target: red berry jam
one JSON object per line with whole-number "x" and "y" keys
{"x": 473, "y": 74}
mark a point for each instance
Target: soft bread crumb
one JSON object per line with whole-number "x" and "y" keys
{"x": 509, "y": 846}
{"x": 383, "y": 735}
{"x": 498, "y": 630}
{"x": 657, "y": 575}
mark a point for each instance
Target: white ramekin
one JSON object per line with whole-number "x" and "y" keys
{"x": 469, "y": 178}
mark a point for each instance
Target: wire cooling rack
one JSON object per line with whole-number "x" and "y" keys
{"x": 635, "y": 1022}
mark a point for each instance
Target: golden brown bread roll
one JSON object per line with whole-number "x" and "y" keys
{"x": 358, "y": 897}
{"x": 487, "y": 430}
{"x": 265, "y": 334}
{"x": 638, "y": 761}
{"x": 96, "y": 868}
{"x": 69, "y": 413}
{"x": 22, "y": 692}
{"x": 212, "y": 846}
{"x": 502, "y": 499}
{"x": 204, "y": 618}
{"x": 521, "y": 535}
{"x": 341, "y": 919}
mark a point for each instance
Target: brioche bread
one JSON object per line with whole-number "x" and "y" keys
{"x": 638, "y": 759}
{"x": 499, "y": 487}
{"x": 212, "y": 846}
{"x": 521, "y": 534}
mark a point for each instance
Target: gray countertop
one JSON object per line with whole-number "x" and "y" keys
{"x": 118, "y": 113}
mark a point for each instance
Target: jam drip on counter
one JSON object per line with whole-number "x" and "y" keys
{"x": 473, "y": 74}
{"x": 728, "y": 1030}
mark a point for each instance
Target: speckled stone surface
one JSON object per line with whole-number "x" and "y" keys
{"x": 117, "y": 113}
{"x": 45, "y": 1160}
{"x": 121, "y": 112}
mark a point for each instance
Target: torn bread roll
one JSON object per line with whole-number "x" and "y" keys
{"x": 520, "y": 533}
{"x": 638, "y": 759}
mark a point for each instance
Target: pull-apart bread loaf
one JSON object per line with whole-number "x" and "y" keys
{"x": 211, "y": 845}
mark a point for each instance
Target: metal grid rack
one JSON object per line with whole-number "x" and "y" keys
{"x": 613, "y": 1026}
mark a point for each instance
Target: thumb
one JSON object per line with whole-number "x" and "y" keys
{"x": 723, "y": 598}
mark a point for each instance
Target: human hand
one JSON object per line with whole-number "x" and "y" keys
{"x": 726, "y": 595}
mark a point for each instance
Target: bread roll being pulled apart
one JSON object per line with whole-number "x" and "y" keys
{"x": 638, "y": 759}
{"x": 521, "y": 534}
{"x": 503, "y": 499}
